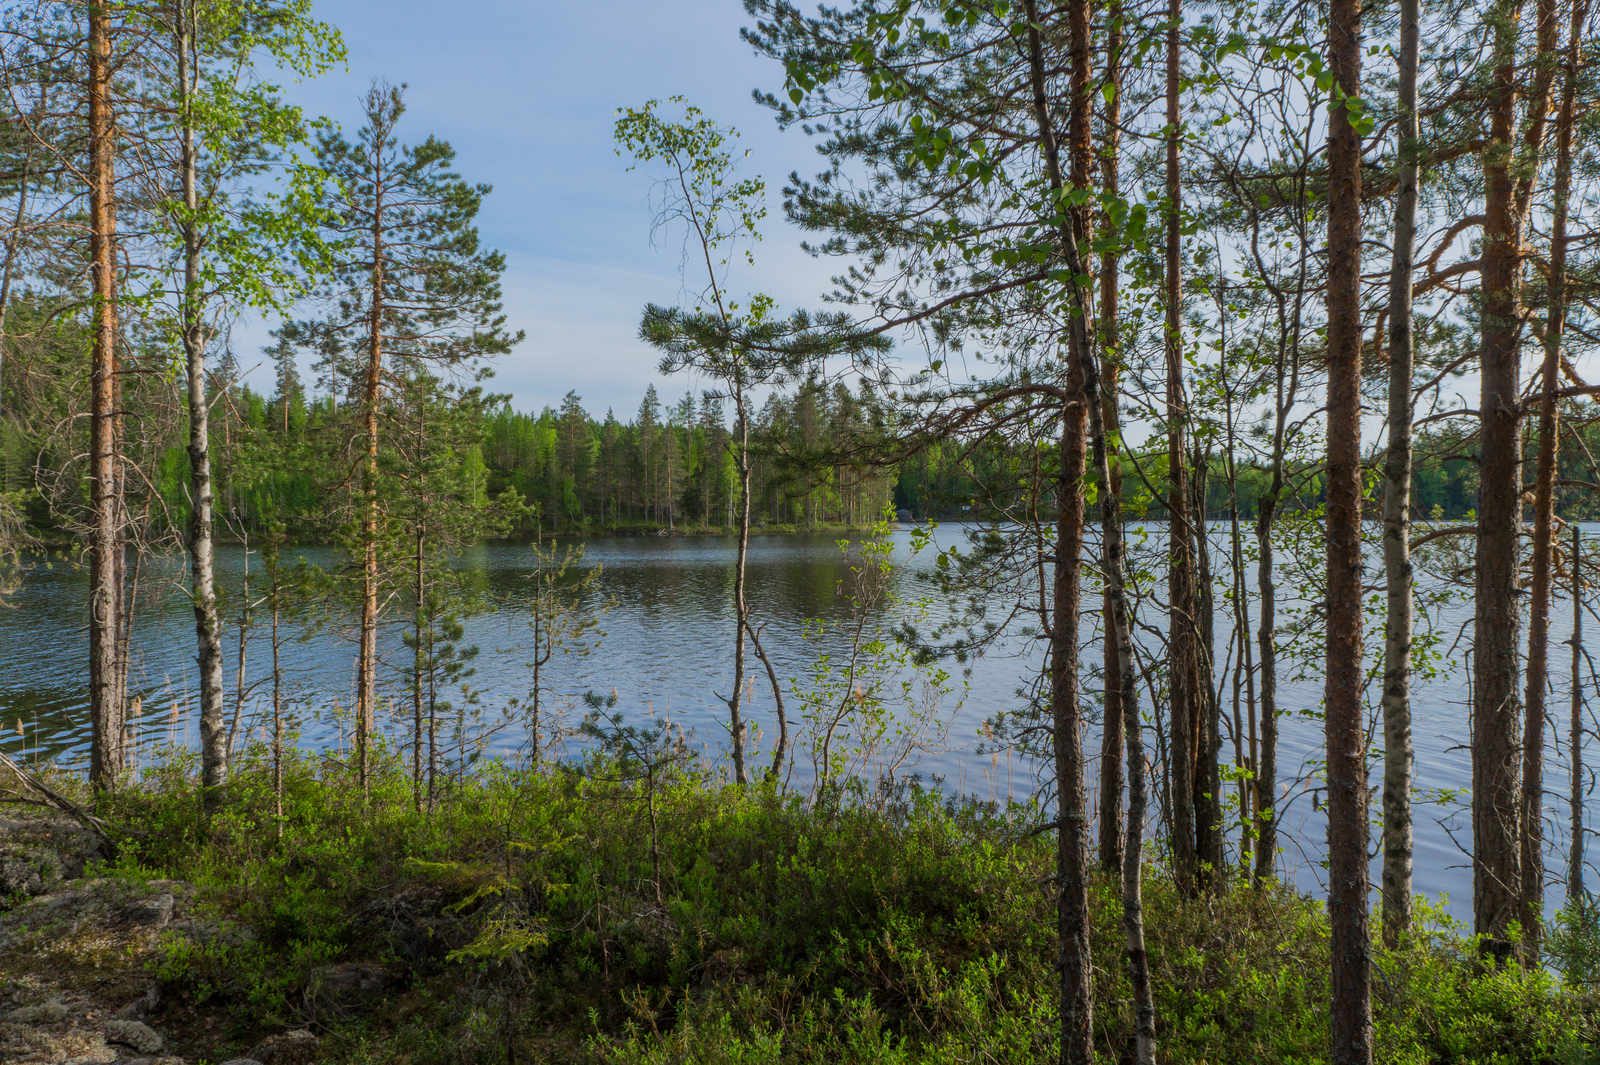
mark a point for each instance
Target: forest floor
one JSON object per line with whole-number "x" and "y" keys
{"x": 588, "y": 914}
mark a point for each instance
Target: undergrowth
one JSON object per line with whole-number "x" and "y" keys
{"x": 523, "y": 919}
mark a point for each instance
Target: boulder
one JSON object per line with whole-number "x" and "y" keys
{"x": 294, "y": 1047}
{"x": 96, "y": 1056}
{"x": 49, "y": 1012}
{"x": 27, "y": 871}
{"x": 144, "y": 1005}
{"x": 155, "y": 910}
{"x": 343, "y": 988}
{"x": 135, "y": 1034}
{"x": 24, "y": 1043}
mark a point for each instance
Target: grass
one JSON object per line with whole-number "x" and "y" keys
{"x": 523, "y": 920}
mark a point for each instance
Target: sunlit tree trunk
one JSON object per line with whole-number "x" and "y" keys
{"x": 13, "y": 246}
{"x": 1532, "y": 806}
{"x": 421, "y": 663}
{"x": 1101, "y": 409}
{"x": 105, "y": 542}
{"x": 1575, "y": 893}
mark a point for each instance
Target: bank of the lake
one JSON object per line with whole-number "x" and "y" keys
{"x": 582, "y": 914}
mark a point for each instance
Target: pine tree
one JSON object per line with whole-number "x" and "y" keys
{"x": 439, "y": 497}
{"x": 411, "y": 283}
{"x": 574, "y": 448}
{"x": 649, "y": 458}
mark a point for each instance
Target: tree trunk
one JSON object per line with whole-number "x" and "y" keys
{"x": 367, "y": 685}
{"x": 244, "y": 647}
{"x": 1244, "y": 743}
{"x": 741, "y": 613}
{"x": 1120, "y": 629}
{"x": 1496, "y": 873}
{"x": 1576, "y": 896}
{"x": 1180, "y": 563}
{"x": 277, "y": 699}
{"x": 1073, "y": 958}
{"x": 1072, "y": 922}
{"x": 105, "y": 543}
{"x": 1112, "y": 738}
{"x": 1399, "y": 755}
{"x": 13, "y": 242}
{"x": 1532, "y": 807}
{"x": 1102, "y": 411}
{"x": 1266, "y": 775}
{"x": 420, "y": 664}
{"x": 1350, "y": 948}
{"x": 1208, "y": 774}
{"x": 1285, "y": 391}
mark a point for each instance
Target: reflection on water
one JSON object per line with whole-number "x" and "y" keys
{"x": 667, "y": 650}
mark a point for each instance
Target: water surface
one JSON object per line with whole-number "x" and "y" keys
{"x": 667, "y": 651}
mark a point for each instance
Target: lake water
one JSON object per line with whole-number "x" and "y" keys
{"x": 667, "y": 650}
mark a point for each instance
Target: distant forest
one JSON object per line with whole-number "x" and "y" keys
{"x": 670, "y": 466}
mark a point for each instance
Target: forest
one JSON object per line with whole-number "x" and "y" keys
{"x": 1239, "y": 341}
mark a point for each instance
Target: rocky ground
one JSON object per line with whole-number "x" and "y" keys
{"x": 78, "y": 981}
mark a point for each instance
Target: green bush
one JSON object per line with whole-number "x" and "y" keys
{"x": 523, "y": 915}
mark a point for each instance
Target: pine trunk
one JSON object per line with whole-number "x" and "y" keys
{"x": 105, "y": 542}
{"x": 1576, "y": 896}
{"x": 1208, "y": 774}
{"x": 1100, "y": 402}
{"x": 741, "y": 612}
{"x": 1350, "y": 947}
{"x": 420, "y": 664}
{"x": 1185, "y": 711}
{"x": 1496, "y": 869}
{"x": 1113, "y": 839}
{"x": 1532, "y": 807}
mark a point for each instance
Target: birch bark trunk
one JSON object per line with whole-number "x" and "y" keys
{"x": 207, "y": 625}
{"x": 1399, "y": 756}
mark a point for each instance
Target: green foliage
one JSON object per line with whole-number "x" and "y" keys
{"x": 702, "y": 189}
{"x": 872, "y": 709}
{"x": 1574, "y": 942}
{"x": 565, "y": 609}
{"x": 524, "y": 909}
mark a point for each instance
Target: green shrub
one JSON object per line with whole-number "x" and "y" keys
{"x": 523, "y": 914}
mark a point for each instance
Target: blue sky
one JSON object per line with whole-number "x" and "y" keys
{"x": 526, "y": 93}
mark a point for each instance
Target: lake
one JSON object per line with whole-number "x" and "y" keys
{"x": 667, "y": 651}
